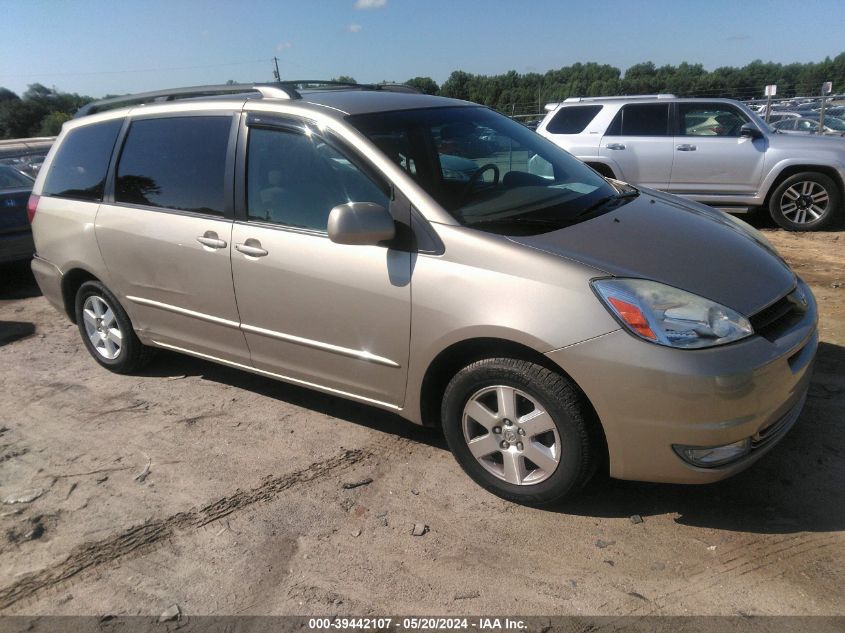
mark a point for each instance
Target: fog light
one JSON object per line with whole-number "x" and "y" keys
{"x": 712, "y": 456}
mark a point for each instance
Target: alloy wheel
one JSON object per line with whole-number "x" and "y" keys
{"x": 804, "y": 202}
{"x": 511, "y": 435}
{"x": 101, "y": 327}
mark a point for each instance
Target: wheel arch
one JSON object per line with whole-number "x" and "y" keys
{"x": 790, "y": 170}
{"x": 602, "y": 168}
{"x": 71, "y": 282}
{"x": 462, "y": 353}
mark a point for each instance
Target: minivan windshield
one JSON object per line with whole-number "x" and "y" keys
{"x": 489, "y": 171}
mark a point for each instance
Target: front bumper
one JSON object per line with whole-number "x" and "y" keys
{"x": 650, "y": 398}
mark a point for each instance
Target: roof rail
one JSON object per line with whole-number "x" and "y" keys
{"x": 619, "y": 97}
{"x": 288, "y": 89}
{"x": 274, "y": 90}
{"x": 304, "y": 84}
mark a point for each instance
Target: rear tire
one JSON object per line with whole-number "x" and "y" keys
{"x": 533, "y": 444}
{"x": 808, "y": 201}
{"x": 107, "y": 331}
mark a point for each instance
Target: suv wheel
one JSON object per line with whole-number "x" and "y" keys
{"x": 519, "y": 430}
{"x": 106, "y": 330}
{"x": 807, "y": 201}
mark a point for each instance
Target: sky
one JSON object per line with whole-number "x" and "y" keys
{"x": 120, "y": 46}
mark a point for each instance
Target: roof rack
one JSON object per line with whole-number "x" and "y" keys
{"x": 267, "y": 90}
{"x": 620, "y": 97}
{"x": 288, "y": 89}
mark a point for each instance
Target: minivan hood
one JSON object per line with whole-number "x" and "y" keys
{"x": 675, "y": 242}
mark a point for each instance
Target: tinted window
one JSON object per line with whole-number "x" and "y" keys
{"x": 80, "y": 164}
{"x": 641, "y": 119}
{"x": 177, "y": 163}
{"x": 572, "y": 120}
{"x": 295, "y": 179}
{"x": 711, "y": 119}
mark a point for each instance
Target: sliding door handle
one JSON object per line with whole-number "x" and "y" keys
{"x": 210, "y": 239}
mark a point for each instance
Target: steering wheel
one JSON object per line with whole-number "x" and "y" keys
{"x": 472, "y": 179}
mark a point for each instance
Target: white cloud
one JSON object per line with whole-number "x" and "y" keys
{"x": 283, "y": 46}
{"x": 353, "y": 28}
{"x": 370, "y": 4}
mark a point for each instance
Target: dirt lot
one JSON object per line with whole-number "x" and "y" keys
{"x": 243, "y": 510}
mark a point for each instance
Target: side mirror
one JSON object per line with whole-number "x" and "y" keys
{"x": 362, "y": 223}
{"x": 749, "y": 130}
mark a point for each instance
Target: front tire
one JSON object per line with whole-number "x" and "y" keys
{"x": 106, "y": 330}
{"x": 519, "y": 430}
{"x": 808, "y": 201}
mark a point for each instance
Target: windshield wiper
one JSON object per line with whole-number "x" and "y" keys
{"x": 601, "y": 202}
{"x": 520, "y": 219}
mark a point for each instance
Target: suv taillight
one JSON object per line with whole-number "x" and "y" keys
{"x": 32, "y": 207}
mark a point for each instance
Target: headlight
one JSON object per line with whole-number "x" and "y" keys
{"x": 668, "y": 316}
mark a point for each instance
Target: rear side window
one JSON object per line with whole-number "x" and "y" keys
{"x": 175, "y": 163}
{"x": 641, "y": 119}
{"x": 572, "y": 120}
{"x": 81, "y": 162}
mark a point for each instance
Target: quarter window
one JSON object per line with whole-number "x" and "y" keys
{"x": 295, "y": 179}
{"x": 572, "y": 120}
{"x": 641, "y": 119}
{"x": 175, "y": 163}
{"x": 81, "y": 162}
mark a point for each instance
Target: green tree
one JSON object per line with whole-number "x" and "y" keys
{"x": 426, "y": 85}
{"x": 51, "y": 124}
{"x": 7, "y": 95}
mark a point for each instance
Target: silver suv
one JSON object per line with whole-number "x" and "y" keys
{"x": 715, "y": 151}
{"x": 550, "y": 321}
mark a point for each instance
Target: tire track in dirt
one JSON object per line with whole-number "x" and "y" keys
{"x": 738, "y": 566}
{"x": 142, "y": 538}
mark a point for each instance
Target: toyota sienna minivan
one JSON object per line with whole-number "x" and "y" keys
{"x": 550, "y": 320}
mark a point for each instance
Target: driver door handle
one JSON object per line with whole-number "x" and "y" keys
{"x": 616, "y": 146}
{"x": 685, "y": 147}
{"x": 251, "y": 247}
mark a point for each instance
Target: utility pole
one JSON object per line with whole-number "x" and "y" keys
{"x": 276, "y": 72}
{"x": 827, "y": 88}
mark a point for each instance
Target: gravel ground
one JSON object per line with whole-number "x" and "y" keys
{"x": 223, "y": 492}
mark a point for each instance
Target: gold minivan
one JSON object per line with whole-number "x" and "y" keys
{"x": 433, "y": 258}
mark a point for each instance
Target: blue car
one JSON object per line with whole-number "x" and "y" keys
{"x": 15, "y": 233}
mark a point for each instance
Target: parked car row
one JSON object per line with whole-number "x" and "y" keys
{"x": 716, "y": 151}
{"x": 781, "y": 116}
{"x": 809, "y": 124}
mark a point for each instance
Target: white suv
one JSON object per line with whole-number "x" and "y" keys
{"x": 715, "y": 151}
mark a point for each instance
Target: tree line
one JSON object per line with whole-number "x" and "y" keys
{"x": 40, "y": 111}
{"x": 516, "y": 93}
